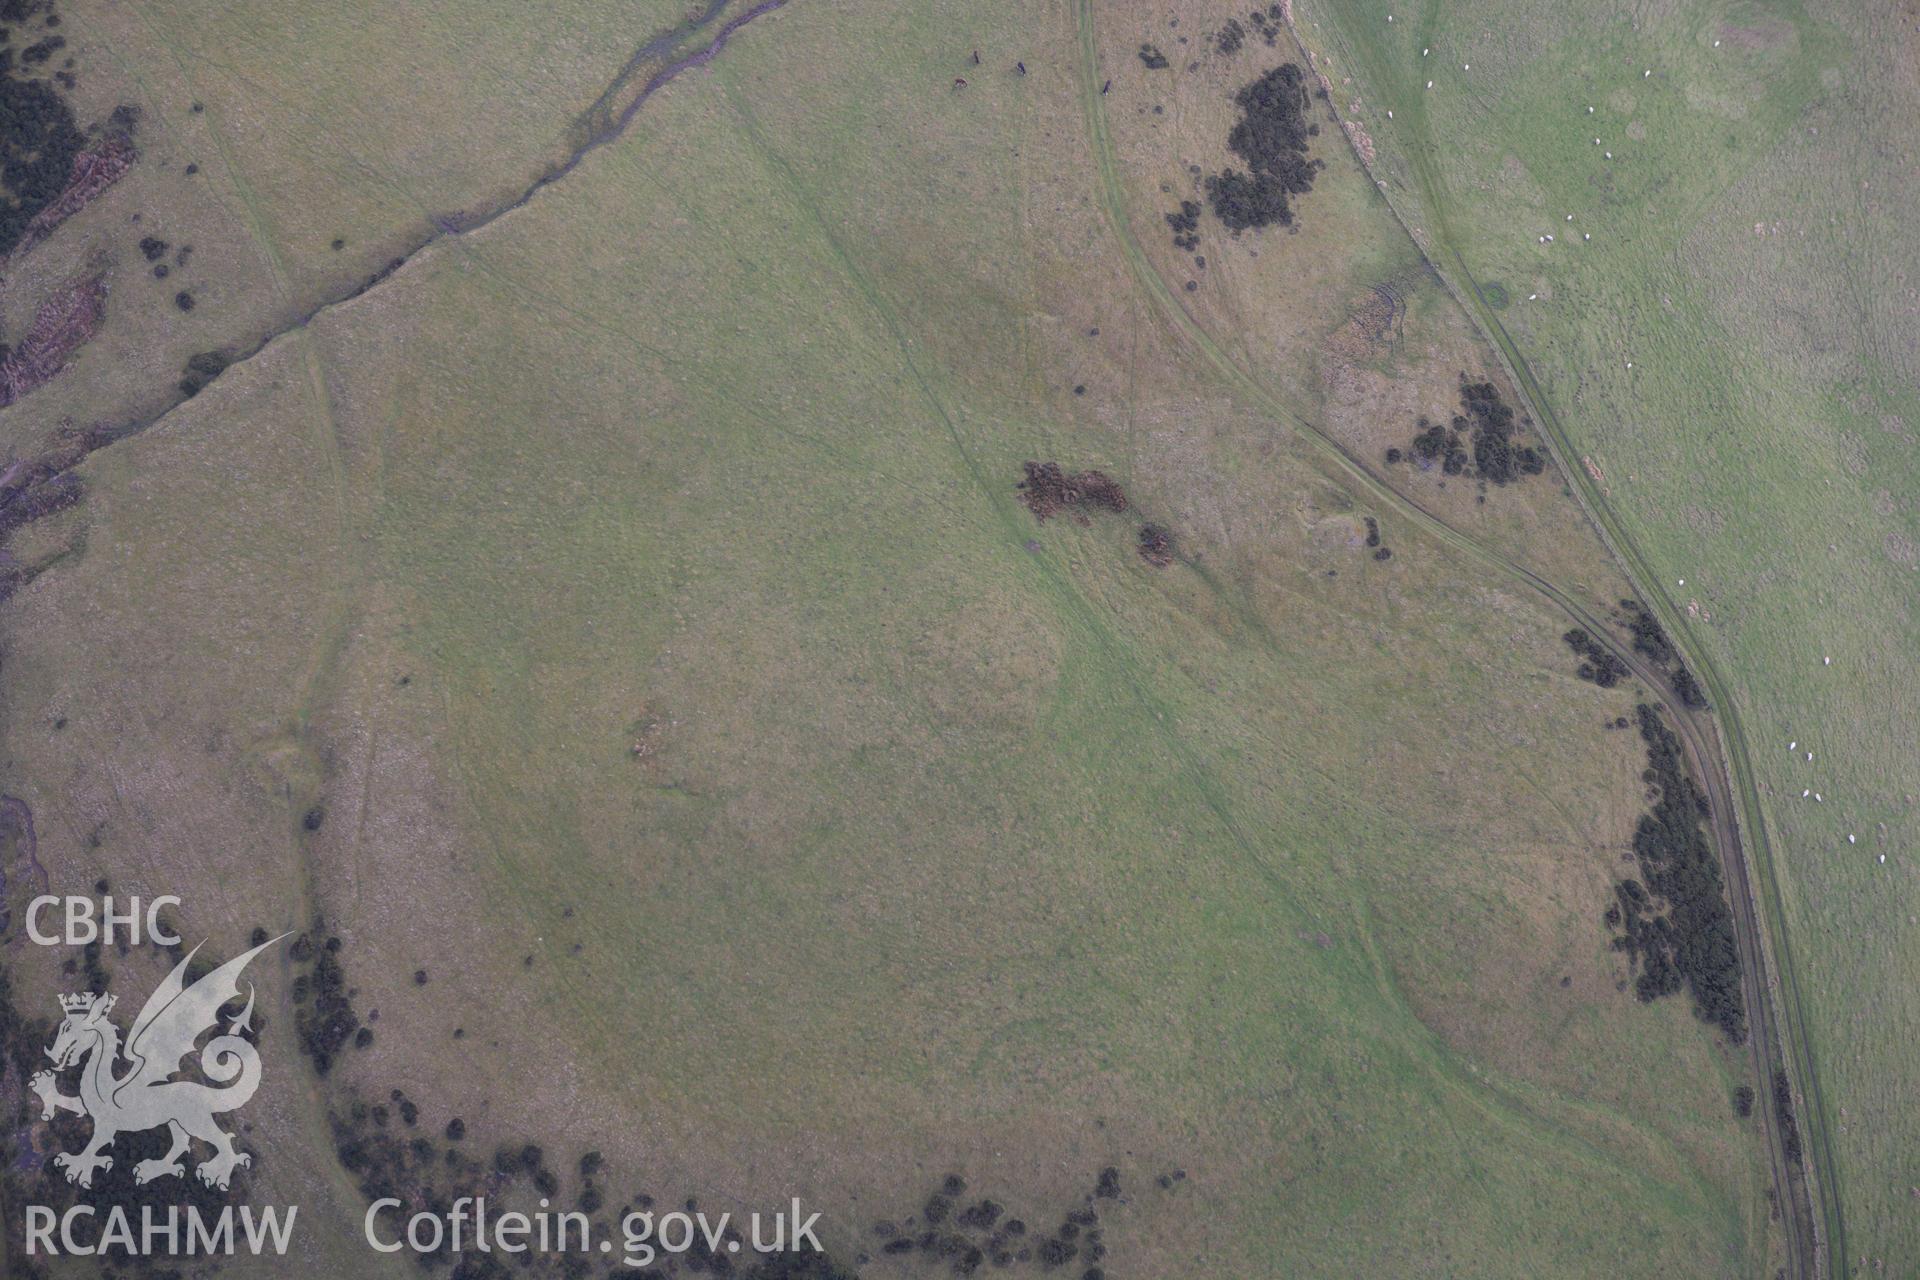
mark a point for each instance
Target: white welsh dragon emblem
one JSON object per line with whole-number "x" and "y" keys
{"x": 145, "y": 1096}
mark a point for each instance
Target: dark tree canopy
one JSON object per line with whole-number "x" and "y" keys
{"x": 1783, "y": 1112}
{"x": 1678, "y": 927}
{"x": 1486, "y": 422}
{"x": 38, "y": 143}
{"x": 1271, "y": 136}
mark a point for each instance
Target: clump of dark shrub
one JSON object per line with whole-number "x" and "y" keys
{"x": 1431, "y": 441}
{"x": 1151, "y": 55}
{"x": 1743, "y": 1101}
{"x": 1599, "y": 666}
{"x": 1156, "y": 545}
{"x": 1486, "y": 423}
{"x": 1647, "y": 941}
{"x": 1056, "y": 1253}
{"x": 1685, "y": 688}
{"x": 1442, "y": 444}
{"x": 1267, "y": 23}
{"x": 1678, "y": 926}
{"x": 1494, "y": 452}
{"x": 1271, "y": 136}
{"x": 1273, "y": 130}
{"x": 1650, "y": 638}
{"x": 1247, "y": 200}
{"x": 1783, "y": 1112}
{"x": 1186, "y": 226}
{"x": 324, "y": 1019}
{"x": 1230, "y": 37}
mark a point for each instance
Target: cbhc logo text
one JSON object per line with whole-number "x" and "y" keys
{"x": 106, "y": 925}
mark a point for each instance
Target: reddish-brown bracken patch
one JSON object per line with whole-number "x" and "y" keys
{"x": 1048, "y": 490}
{"x": 94, "y": 171}
{"x": 61, "y": 326}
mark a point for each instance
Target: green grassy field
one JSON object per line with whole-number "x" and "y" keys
{"x": 639, "y": 587}
{"x": 1744, "y": 263}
